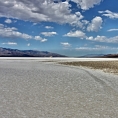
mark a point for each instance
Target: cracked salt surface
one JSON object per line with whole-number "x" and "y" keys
{"x": 35, "y": 89}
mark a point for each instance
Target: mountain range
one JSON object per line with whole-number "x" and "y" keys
{"x": 100, "y": 56}
{"x": 7, "y": 52}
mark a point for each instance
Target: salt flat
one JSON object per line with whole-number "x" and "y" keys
{"x": 60, "y": 59}
{"x": 40, "y": 88}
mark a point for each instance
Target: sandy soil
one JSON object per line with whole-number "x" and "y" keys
{"x": 106, "y": 66}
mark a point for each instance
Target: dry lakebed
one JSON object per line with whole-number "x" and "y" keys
{"x": 58, "y": 88}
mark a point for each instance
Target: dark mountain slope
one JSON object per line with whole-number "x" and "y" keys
{"x": 7, "y": 52}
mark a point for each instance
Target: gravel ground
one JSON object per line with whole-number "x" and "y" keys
{"x": 35, "y": 89}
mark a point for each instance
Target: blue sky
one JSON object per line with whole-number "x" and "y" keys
{"x": 68, "y": 27}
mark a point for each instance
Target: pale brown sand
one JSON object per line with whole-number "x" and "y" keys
{"x": 107, "y": 66}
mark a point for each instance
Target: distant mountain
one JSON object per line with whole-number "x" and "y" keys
{"x": 92, "y": 56}
{"x": 111, "y": 56}
{"x": 100, "y": 56}
{"x": 7, "y": 52}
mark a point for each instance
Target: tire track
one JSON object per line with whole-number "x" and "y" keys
{"x": 108, "y": 89}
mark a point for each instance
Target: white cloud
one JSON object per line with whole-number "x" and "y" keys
{"x": 100, "y": 39}
{"x": 37, "y": 38}
{"x": 79, "y": 15}
{"x": 78, "y": 34}
{"x": 40, "y": 39}
{"x": 12, "y": 33}
{"x": 109, "y": 14}
{"x": 104, "y": 39}
{"x": 111, "y": 30}
{"x": 28, "y": 44}
{"x": 34, "y": 23}
{"x": 65, "y": 44}
{"x": 101, "y": 47}
{"x": 96, "y": 48}
{"x": 44, "y": 40}
{"x": 86, "y": 4}
{"x": 85, "y": 22}
{"x": 48, "y": 33}
{"x": 9, "y": 43}
{"x": 89, "y": 38}
{"x": 86, "y": 48}
{"x": 95, "y": 24}
{"x": 8, "y": 21}
{"x": 49, "y": 27}
{"x": 40, "y": 10}
{"x": 25, "y": 36}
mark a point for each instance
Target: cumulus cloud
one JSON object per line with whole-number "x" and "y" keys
{"x": 109, "y": 14}
{"x": 48, "y": 33}
{"x": 104, "y": 39}
{"x": 90, "y": 38}
{"x": 65, "y": 44}
{"x": 40, "y": 10}
{"x": 9, "y": 43}
{"x": 95, "y": 24}
{"x": 40, "y": 39}
{"x": 86, "y": 4}
{"x": 85, "y": 22}
{"x": 8, "y": 21}
{"x": 77, "y": 33}
{"x": 44, "y": 40}
{"x": 49, "y": 27}
{"x": 12, "y": 33}
{"x": 111, "y": 30}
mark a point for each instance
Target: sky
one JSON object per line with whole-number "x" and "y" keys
{"x": 69, "y": 27}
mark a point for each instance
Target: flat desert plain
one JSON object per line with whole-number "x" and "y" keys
{"x": 58, "y": 88}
